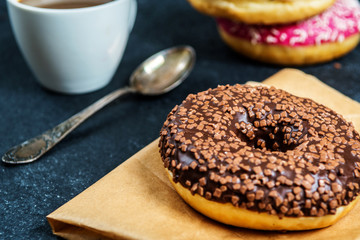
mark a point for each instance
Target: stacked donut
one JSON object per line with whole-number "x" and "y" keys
{"x": 286, "y": 32}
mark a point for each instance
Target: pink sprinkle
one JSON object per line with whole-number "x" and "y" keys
{"x": 334, "y": 25}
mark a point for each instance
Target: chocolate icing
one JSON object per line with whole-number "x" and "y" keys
{"x": 262, "y": 149}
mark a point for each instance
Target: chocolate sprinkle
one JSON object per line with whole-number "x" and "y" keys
{"x": 262, "y": 149}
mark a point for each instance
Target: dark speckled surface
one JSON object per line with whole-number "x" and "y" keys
{"x": 29, "y": 192}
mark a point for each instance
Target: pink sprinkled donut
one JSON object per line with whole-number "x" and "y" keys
{"x": 321, "y": 38}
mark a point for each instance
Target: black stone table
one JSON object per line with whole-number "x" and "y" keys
{"x": 29, "y": 192}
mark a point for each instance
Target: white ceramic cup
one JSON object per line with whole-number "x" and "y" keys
{"x": 73, "y": 50}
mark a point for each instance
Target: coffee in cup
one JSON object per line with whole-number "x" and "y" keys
{"x": 63, "y": 4}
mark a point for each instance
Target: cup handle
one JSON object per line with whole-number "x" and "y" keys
{"x": 132, "y": 15}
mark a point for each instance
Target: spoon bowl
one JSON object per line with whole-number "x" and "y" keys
{"x": 163, "y": 71}
{"x": 158, "y": 74}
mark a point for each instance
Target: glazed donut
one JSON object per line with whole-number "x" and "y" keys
{"x": 324, "y": 37}
{"x": 262, "y": 11}
{"x": 261, "y": 158}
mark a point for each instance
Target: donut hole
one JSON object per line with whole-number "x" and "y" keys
{"x": 281, "y": 137}
{"x": 271, "y": 126}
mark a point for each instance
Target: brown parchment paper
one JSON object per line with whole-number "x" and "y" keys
{"x": 136, "y": 200}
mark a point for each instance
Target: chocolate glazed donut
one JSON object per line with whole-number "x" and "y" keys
{"x": 264, "y": 152}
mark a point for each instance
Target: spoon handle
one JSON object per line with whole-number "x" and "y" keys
{"x": 34, "y": 148}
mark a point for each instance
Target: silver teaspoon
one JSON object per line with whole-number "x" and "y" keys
{"x": 158, "y": 74}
